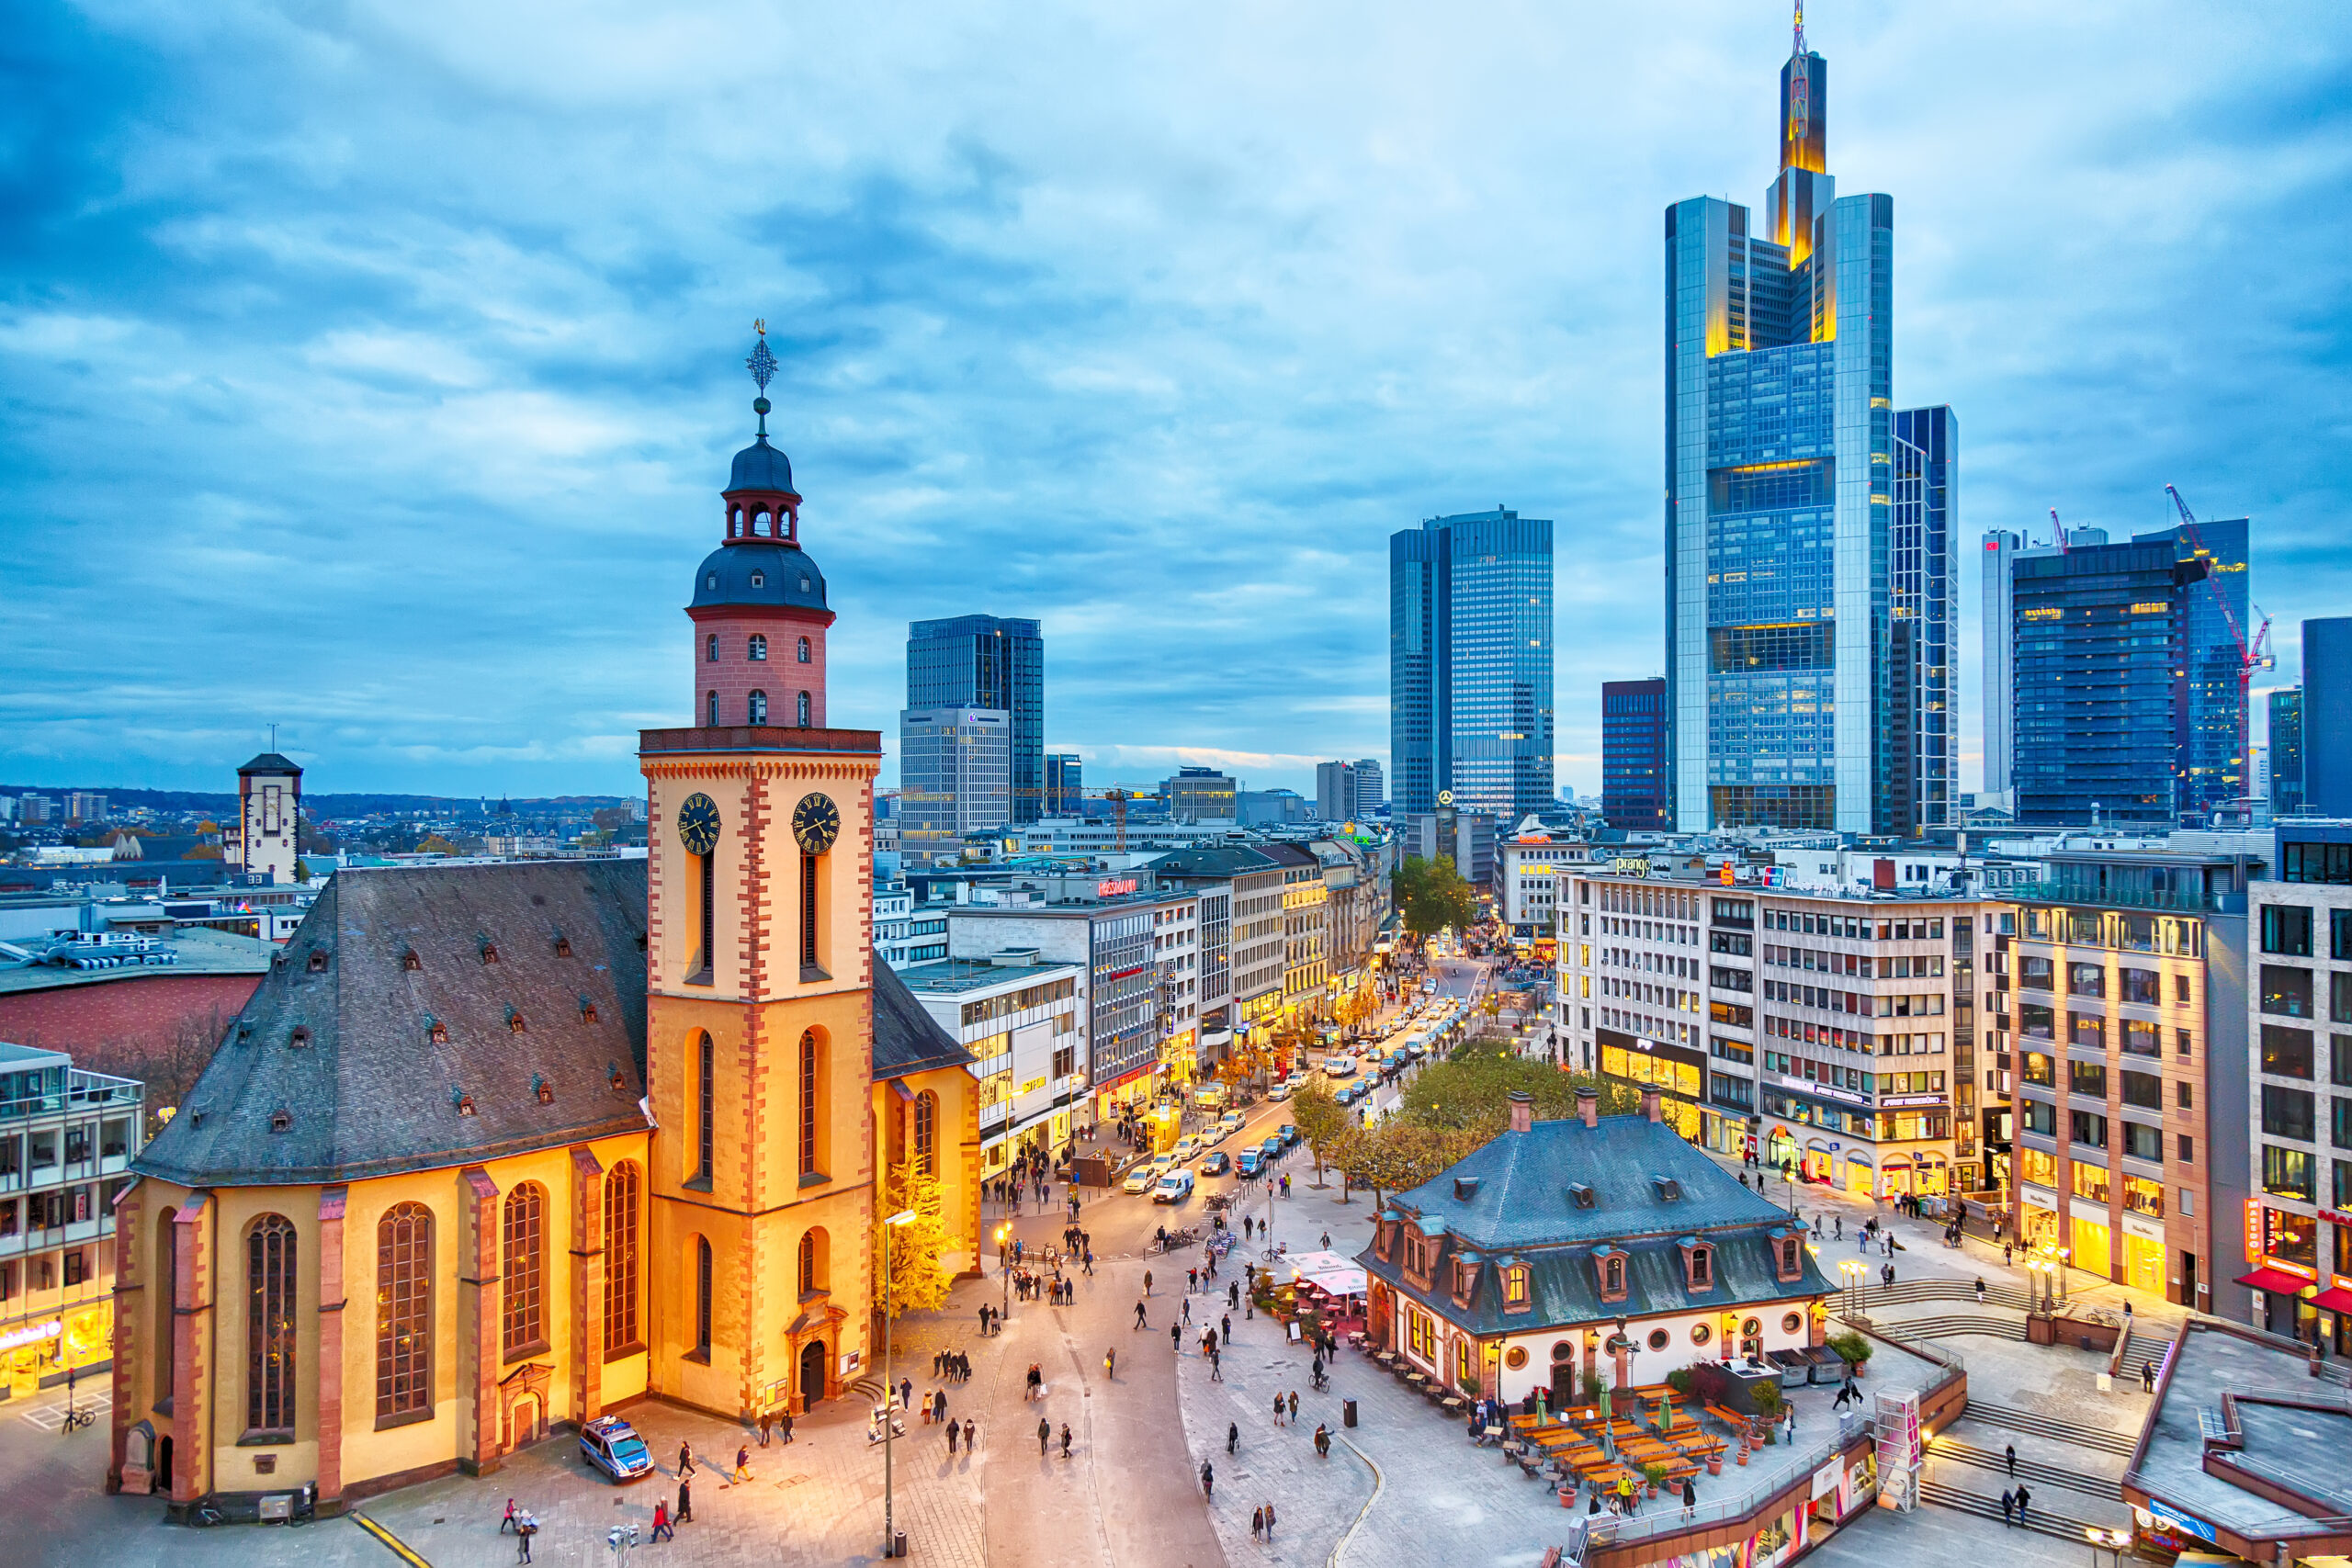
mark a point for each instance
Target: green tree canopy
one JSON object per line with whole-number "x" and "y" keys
{"x": 1433, "y": 895}
{"x": 1473, "y": 1089}
{"x": 1321, "y": 1120}
{"x": 919, "y": 1279}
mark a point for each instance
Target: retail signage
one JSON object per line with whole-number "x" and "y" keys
{"x": 31, "y": 1334}
{"x": 2197, "y": 1528}
{"x": 1112, "y": 886}
{"x": 1827, "y": 1091}
{"x": 1888, "y": 1100}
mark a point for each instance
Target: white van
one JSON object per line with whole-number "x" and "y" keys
{"x": 1339, "y": 1066}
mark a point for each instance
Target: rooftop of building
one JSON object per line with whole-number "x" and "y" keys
{"x": 956, "y": 977}
{"x": 2243, "y": 1436}
{"x": 196, "y": 950}
{"x": 15, "y": 1058}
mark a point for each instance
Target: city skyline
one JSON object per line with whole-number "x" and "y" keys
{"x": 1184, "y": 453}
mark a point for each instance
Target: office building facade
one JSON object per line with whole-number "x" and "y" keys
{"x": 1065, "y": 783}
{"x": 2299, "y": 1097}
{"x": 1997, "y": 666}
{"x": 1633, "y": 755}
{"x": 2103, "y": 699}
{"x": 1199, "y": 794}
{"x": 1470, "y": 648}
{"x": 2327, "y": 716}
{"x": 2286, "y": 716}
{"x": 989, "y": 661}
{"x": 1809, "y": 525}
{"x": 1372, "y": 789}
{"x": 954, "y": 776}
{"x": 2119, "y": 984}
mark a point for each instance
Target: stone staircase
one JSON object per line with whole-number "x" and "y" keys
{"x": 2040, "y": 1426}
{"x": 1945, "y": 1446}
{"x": 2041, "y": 1521}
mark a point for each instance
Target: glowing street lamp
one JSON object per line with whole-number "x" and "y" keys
{"x": 890, "y": 1391}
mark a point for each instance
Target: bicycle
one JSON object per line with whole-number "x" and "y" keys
{"x": 205, "y": 1513}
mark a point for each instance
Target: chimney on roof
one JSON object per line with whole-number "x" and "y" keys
{"x": 1589, "y": 1105}
{"x": 1653, "y": 1106}
{"x": 1522, "y": 1110}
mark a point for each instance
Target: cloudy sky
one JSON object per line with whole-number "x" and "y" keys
{"x": 372, "y": 368}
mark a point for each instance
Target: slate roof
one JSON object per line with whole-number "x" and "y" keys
{"x": 761, "y": 466}
{"x": 787, "y": 577}
{"x": 1215, "y": 860}
{"x": 1522, "y": 1198}
{"x": 369, "y": 1091}
{"x": 271, "y": 763}
{"x": 907, "y": 1040}
{"x": 1510, "y": 1203}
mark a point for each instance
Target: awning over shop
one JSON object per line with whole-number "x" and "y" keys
{"x": 2278, "y": 1281}
{"x": 2334, "y": 1299}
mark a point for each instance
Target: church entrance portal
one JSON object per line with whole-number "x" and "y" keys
{"x": 812, "y": 1374}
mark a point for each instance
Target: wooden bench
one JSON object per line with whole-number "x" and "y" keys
{"x": 1739, "y": 1424}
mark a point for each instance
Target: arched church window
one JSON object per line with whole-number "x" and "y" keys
{"x": 811, "y": 1101}
{"x": 804, "y": 710}
{"x": 403, "y": 1312}
{"x": 759, "y": 650}
{"x": 926, "y": 1130}
{"x": 522, "y": 1318}
{"x": 702, "y": 1299}
{"x": 710, "y": 704}
{"x": 620, "y": 1257}
{"x": 711, "y": 656}
{"x": 804, "y": 650}
{"x": 269, "y": 1327}
{"x": 758, "y": 708}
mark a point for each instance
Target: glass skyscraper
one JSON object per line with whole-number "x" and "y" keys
{"x": 1470, "y": 663}
{"x": 1809, "y": 528}
{"x": 988, "y": 662}
{"x": 1633, "y": 754}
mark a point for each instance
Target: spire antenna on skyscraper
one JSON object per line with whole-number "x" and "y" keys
{"x": 1799, "y": 49}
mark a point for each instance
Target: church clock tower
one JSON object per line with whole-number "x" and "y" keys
{"x": 759, "y": 1009}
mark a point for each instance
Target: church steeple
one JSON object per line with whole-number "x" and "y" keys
{"x": 760, "y": 502}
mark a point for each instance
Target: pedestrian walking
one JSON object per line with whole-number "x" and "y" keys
{"x": 2010, "y": 1455}
{"x": 1322, "y": 1440}
{"x": 2024, "y": 1498}
{"x": 2005, "y": 1250}
{"x": 1208, "y": 1480}
{"x": 2147, "y": 1377}
{"x": 1111, "y": 1363}
{"x": 1147, "y": 1281}
{"x": 1257, "y": 1523}
{"x": 906, "y": 1393}
{"x": 1233, "y": 1437}
{"x": 1139, "y": 1322}
{"x": 1269, "y": 1521}
{"x": 526, "y": 1528}
{"x": 686, "y": 1461}
{"x": 1192, "y": 1280}
{"x": 2008, "y": 1500}
{"x": 1278, "y": 1410}
{"x": 767, "y": 1420}
{"x": 743, "y": 1462}
{"x": 939, "y": 1405}
{"x": 1294, "y": 1406}
{"x": 1217, "y": 1366}
{"x": 1045, "y": 1434}
{"x": 954, "y": 1430}
{"x": 1176, "y": 1338}
{"x": 662, "y": 1531}
{"x": 785, "y": 1423}
{"x": 1980, "y": 1291}
{"x": 1689, "y": 1498}
{"x": 512, "y": 1520}
{"x": 1064, "y": 1439}
{"x": 685, "y": 1509}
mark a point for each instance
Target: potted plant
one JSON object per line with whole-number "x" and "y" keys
{"x": 1768, "y": 1403}
{"x": 1655, "y": 1473}
{"x": 1852, "y": 1348}
{"x": 1591, "y": 1386}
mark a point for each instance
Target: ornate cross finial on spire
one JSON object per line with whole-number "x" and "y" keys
{"x": 761, "y": 366}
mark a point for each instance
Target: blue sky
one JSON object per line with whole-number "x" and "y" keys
{"x": 372, "y": 368}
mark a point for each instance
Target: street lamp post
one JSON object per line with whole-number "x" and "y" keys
{"x": 1004, "y": 1267}
{"x": 889, "y": 1421}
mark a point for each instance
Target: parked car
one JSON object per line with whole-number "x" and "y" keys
{"x": 1251, "y": 1162}
{"x": 1288, "y": 1134}
{"x": 611, "y": 1445}
{"x": 1174, "y": 1187}
{"x": 1270, "y": 1149}
{"x": 1281, "y": 1090}
{"x": 1216, "y": 1164}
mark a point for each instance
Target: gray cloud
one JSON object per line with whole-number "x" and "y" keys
{"x": 372, "y": 368}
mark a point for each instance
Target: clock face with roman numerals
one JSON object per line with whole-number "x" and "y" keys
{"x": 698, "y": 824}
{"x": 815, "y": 822}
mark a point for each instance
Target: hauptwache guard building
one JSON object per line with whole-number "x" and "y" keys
{"x": 499, "y": 1146}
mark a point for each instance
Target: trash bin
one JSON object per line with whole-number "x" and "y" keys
{"x": 898, "y": 1545}
{"x": 1347, "y": 1412}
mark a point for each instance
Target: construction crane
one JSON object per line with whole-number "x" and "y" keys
{"x": 2058, "y": 530}
{"x": 2251, "y": 655}
{"x": 1118, "y": 799}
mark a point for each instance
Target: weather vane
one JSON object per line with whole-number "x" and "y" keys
{"x": 761, "y": 366}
